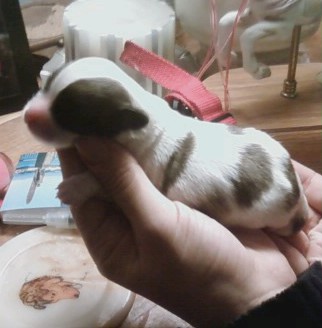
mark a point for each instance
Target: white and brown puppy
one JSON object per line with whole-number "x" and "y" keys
{"x": 241, "y": 177}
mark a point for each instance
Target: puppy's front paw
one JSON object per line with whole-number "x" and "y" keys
{"x": 76, "y": 189}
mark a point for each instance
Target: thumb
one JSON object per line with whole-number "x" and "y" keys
{"x": 125, "y": 182}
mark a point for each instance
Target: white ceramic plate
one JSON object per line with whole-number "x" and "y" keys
{"x": 48, "y": 279}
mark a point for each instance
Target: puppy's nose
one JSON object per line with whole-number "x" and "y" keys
{"x": 37, "y": 107}
{"x": 37, "y": 117}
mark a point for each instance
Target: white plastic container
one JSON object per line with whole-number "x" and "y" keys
{"x": 101, "y": 27}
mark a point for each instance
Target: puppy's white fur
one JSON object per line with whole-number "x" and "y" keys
{"x": 198, "y": 163}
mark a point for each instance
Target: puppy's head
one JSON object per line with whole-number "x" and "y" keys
{"x": 100, "y": 107}
{"x": 84, "y": 106}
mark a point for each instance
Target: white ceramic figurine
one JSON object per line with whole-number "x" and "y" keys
{"x": 265, "y": 28}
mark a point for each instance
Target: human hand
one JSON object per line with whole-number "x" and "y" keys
{"x": 309, "y": 241}
{"x": 170, "y": 253}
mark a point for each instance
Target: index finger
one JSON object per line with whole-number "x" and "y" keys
{"x": 312, "y": 185}
{"x": 70, "y": 162}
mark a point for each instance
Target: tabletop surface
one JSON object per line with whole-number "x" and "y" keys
{"x": 258, "y": 103}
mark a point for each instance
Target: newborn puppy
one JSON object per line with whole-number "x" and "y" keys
{"x": 240, "y": 177}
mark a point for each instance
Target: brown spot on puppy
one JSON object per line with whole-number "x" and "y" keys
{"x": 219, "y": 204}
{"x": 291, "y": 198}
{"x": 99, "y": 107}
{"x": 254, "y": 175}
{"x": 298, "y": 222}
{"x": 178, "y": 161}
{"x": 233, "y": 129}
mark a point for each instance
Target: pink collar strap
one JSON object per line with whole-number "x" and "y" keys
{"x": 184, "y": 88}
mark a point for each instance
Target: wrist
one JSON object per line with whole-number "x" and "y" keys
{"x": 227, "y": 297}
{"x": 299, "y": 305}
{"x": 217, "y": 303}
{"x": 260, "y": 287}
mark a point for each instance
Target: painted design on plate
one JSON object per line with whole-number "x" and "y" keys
{"x": 47, "y": 290}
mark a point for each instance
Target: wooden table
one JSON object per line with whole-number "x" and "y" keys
{"x": 296, "y": 123}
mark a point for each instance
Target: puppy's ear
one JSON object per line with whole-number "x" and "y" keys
{"x": 130, "y": 118}
{"x": 98, "y": 106}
